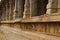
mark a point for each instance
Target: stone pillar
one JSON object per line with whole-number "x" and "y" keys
{"x": 3, "y": 13}
{"x": 19, "y": 8}
{"x": 16, "y": 9}
{"x": 52, "y": 6}
{"x": 26, "y": 13}
{"x": 6, "y": 12}
{"x": 11, "y": 10}
{"x": 33, "y": 8}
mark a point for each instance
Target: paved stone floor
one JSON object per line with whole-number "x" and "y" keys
{"x": 9, "y": 33}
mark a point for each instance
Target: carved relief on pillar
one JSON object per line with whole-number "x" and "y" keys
{"x": 52, "y": 6}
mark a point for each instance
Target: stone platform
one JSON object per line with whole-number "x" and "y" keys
{"x": 10, "y": 33}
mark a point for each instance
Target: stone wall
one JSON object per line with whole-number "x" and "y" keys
{"x": 46, "y": 28}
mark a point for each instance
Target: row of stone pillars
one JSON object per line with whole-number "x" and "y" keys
{"x": 7, "y": 10}
{"x": 29, "y": 8}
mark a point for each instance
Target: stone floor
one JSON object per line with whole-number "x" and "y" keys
{"x": 9, "y": 33}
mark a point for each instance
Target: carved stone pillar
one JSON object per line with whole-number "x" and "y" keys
{"x": 16, "y": 9}
{"x": 33, "y": 8}
{"x": 26, "y": 13}
{"x": 52, "y": 6}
